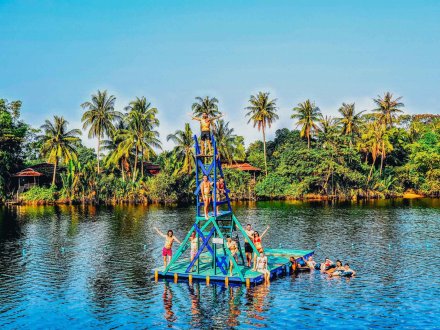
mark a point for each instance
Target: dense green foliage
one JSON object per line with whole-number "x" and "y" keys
{"x": 12, "y": 140}
{"x": 376, "y": 154}
{"x": 39, "y": 195}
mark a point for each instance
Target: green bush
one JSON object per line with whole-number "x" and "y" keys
{"x": 39, "y": 195}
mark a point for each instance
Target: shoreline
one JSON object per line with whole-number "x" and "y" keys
{"x": 306, "y": 198}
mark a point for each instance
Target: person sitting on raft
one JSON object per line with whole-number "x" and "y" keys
{"x": 167, "y": 251}
{"x": 311, "y": 263}
{"x": 257, "y": 242}
{"x": 232, "y": 246}
{"x": 261, "y": 267}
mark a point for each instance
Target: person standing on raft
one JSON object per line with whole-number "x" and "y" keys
{"x": 205, "y": 127}
{"x": 247, "y": 246}
{"x": 167, "y": 251}
{"x": 257, "y": 242}
{"x": 232, "y": 246}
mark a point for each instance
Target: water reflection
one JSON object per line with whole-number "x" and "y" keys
{"x": 91, "y": 265}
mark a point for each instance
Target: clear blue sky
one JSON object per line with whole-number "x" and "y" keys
{"x": 55, "y": 54}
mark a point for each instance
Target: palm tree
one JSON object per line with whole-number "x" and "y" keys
{"x": 117, "y": 155}
{"x": 226, "y": 141}
{"x": 262, "y": 111}
{"x": 328, "y": 128}
{"x": 142, "y": 118}
{"x": 208, "y": 105}
{"x": 350, "y": 120}
{"x": 375, "y": 141}
{"x": 307, "y": 114}
{"x": 387, "y": 107}
{"x": 58, "y": 143}
{"x": 184, "y": 147}
{"x": 99, "y": 116}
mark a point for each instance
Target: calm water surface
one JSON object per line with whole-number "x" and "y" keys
{"x": 86, "y": 267}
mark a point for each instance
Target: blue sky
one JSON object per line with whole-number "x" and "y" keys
{"x": 55, "y": 54}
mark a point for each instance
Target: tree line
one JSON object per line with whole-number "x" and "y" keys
{"x": 377, "y": 153}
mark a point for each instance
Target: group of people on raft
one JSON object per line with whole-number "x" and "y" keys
{"x": 258, "y": 263}
{"x": 328, "y": 267}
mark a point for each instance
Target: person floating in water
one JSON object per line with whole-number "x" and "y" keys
{"x": 335, "y": 270}
{"x": 167, "y": 251}
{"x": 326, "y": 265}
{"x": 348, "y": 271}
{"x": 257, "y": 242}
{"x": 247, "y": 246}
{"x": 261, "y": 267}
{"x": 205, "y": 127}
{"x": 232, "y": 246}
{"x": 206, "y": 194}
{"x": 221, "y": 191}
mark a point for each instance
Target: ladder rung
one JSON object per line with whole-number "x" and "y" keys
{"x": 226, "y": 227}
{"x": 222, "y": 202}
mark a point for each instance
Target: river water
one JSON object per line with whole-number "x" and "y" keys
{"x": 89, "y": 267}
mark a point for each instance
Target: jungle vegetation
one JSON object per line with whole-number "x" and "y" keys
{"x": 361, "y": 153}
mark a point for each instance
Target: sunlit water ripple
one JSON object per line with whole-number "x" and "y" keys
{"x": 87, "y": 267}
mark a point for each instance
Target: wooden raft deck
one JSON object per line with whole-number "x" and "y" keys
{"x": 278, "y": 260}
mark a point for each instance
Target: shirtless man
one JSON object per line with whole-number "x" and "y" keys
{"x": 247, "y": 247}
{"x": 205, "y": 127}
{"x": 232, "y": 246}
{"x": 221, "y": 192}
{"x": 167, "y": 251}
{"x": 206, "y": 194}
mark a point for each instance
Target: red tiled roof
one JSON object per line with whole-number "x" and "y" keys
{"x": 243, "y": 167}
{"x": 28, "y": 172}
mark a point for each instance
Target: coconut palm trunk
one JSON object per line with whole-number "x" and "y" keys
{"x": 382, "y": 158}
{"x": 142, "y": 162}
{"x": 54, "y": 171}
{"x": 135, "y": 165}
{"x": 97, "y": 153}
{"x": 264, "y": 149}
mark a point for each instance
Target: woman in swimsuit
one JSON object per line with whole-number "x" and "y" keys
{"x": 232, "y": 246}
{"x": 194, "y": 245}
{"x": 221, "y": 192}
{"x": 326, "y": 265}
{"x": 257, "y": 242}
{"x": 336, "y": 269}
{"x": 167, "y": 251}
{"x": 206, "y": 194}
{"x": 261, "y": 264}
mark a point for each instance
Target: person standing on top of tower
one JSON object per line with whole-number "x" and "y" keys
{"x": 206, "y": 194}
{"x": 205, "y": 127}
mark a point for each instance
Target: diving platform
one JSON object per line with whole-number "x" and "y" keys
{"x": 278, "y": 262}
{"x": 212, "y": 235}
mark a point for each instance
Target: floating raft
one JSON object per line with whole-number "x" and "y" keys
{"x": 278, "y": 262}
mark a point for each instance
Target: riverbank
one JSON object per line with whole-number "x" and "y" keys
{"x": 307, "y": 197}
